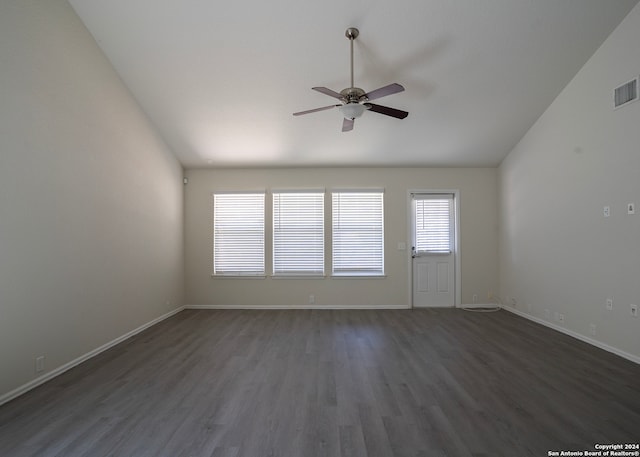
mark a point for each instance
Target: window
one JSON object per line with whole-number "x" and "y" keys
{"x": 433, "y": 228}
{"x": 238, "y": 234}
{"x": 358, "y": 233}
{"x": 298, "y": 233}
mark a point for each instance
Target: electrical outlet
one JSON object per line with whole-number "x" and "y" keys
{"x": 609, "y": 304}
{"x": 592, "y": 328}
{"x": 634, "y": 310}
{"x": 475, "y": 298}
{"x": 606, "y": 211}
{"x": 40, "y": 364}
{"x": 561, "y": 318}
{"x": 631, "y": 208}
{"x": 547, "y": 314}
{"x": 312, "y": 299}
{"x": 514, "y": 302}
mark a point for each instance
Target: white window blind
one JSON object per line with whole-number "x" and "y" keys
{"x": 238, "y": 234}
{"x": 433, "y": 230}
{"x": 298, "y": 233}
{"x": 358, "y": 233}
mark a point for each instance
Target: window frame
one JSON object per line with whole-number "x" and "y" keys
{"x": 319, "y": 194}
{"x": 441, "y": 216}
{"x": 358, "y": 272}
{"x": 231, "y": 273}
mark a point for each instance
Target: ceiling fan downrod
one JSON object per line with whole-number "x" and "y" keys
{"x": 353, "y": 94}
{"x": 352, "y": 33}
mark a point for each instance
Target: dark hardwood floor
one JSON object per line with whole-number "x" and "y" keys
{"x": 305, "y": 383}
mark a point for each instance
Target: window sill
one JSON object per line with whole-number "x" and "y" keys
{"x": 358, "y": 276}
{"x": 214, "y": 276}
{"x": 292, "y": 276}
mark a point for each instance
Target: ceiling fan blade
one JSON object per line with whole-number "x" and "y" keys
{"x": 387, "y": 111}
{"x": 347, "y": 125}
{"x": 299, "y": 113}
{"x": 384, "y": 91}
{"x": 329, "y": 92}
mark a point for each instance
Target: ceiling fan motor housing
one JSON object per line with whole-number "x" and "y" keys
{"x": 354, "y": 95}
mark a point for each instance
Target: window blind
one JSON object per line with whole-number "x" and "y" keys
{"x": 433, "y": 224}
{"x": 238, "y": 234}
{"x": 358, "y": 233}
{"x": 298, "y": 233}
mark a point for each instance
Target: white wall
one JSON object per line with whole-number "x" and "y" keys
{"x": 479, "y": 238}
{"x": 91, "y": 204}
{"x": 557, "y": 251}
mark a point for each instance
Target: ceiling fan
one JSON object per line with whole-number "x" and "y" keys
{"x": 355, "y": 101}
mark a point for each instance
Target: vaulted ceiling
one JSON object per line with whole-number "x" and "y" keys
{"x": 220, "y": 80}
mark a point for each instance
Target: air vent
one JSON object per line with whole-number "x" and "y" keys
{"x": 626, "y": 93}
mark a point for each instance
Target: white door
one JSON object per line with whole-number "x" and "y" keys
{"x": 433, "y": 250}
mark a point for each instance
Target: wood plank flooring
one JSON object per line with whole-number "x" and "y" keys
{"x": 348, "y": 383}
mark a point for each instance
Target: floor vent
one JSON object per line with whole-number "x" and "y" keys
{"x": 626, "y": 93}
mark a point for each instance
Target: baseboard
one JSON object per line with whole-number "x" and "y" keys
{"x": 315, "y": 306}
{"x": 575, "y": 335}
{"x": 67, "y": 366}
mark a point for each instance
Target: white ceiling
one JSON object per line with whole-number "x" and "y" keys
{"x": 220, "y": 80}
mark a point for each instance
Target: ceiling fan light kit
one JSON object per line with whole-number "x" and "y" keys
{"x": 352, "y": 110}
{"x": 355, "y": 101}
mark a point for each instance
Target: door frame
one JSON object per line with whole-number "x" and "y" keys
{"x": 456, "y": 234}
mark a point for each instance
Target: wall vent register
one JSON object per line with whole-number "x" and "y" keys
{"x": 626, "y": 93}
